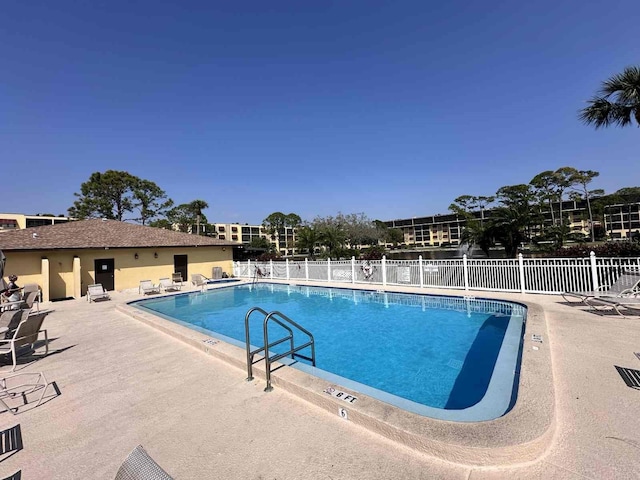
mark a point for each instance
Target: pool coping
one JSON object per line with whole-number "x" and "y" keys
{"x": 522, "y": 435}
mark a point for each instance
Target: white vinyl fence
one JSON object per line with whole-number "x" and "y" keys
{"x": 525, "y": 275}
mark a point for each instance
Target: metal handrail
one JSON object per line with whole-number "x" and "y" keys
{"x": 271, "y": 316}
{"x": 252, "y": 353}
{"x": 291, "y": 352}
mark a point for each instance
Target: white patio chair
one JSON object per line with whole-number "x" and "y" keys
{"x": 96, "y": 292}
{"x": 631, "y": 303}
{"x": 27, "y": 301}
{"x": 26, "y": 334}
{"x": 20, "y": 385}
{"x": 168, "y": 286}
{"x": 147, "y": 287}
{"x": 627, "y": 283}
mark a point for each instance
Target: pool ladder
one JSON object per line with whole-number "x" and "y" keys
{"x": 257, "y": 275}
{"x": 286, "y": 323}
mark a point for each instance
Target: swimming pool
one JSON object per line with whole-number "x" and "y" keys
{"x": 452, "y": 358}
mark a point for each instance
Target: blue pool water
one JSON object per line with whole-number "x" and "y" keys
{"x": 442, "y": 353}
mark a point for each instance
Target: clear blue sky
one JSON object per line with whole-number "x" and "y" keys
{"x": 312, "y": 107}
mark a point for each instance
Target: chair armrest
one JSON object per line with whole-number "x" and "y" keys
{"x": 6, "y": 305}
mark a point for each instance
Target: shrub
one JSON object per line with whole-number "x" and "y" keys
{"x": 265, "y": 257}
{"x": 372, "y": 253}
{"x": 609, "y": 249}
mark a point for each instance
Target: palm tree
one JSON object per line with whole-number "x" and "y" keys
{"x": 332, "y": 237}
{"x": 197, "y": 206}
{"x": 617, "y": 102}
{"x": 509, "y": 226}
{"x": 479, "y": 234}
{"x": 307, "y": 239}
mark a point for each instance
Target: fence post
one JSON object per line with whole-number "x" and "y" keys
{"x": 306, "y": 269}
{"x": 465, "y": 270}
{"x": 249, "y": 268}
{"x": 286, "y": 262}
{"x": 271, "y": 269}
{"x": 594, "y": 271}
{"x": 353, "y": 269}
{"x": 384, "y": 270}
{"x": 521, "y": 270}
{"x": 328, "y": 269}
{"x": 420, "y": 271}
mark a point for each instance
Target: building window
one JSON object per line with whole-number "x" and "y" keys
{"x": 234, "y": 237}
{"x": 221, "y": 229}
{"x": 234, "y": 229}
{"x": 221, "y": 237}
{"x": 38, "y": 222}
{"x": 8, "y": 224}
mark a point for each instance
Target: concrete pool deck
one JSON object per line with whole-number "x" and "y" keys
{"x": 123, "y": 383}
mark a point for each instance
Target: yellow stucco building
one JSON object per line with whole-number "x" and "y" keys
{"x": 64, "y": 259}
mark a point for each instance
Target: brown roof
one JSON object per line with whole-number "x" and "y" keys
{"x": 100, "y": 233}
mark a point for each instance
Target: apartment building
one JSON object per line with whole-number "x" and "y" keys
{"x": 18, "y": 221}
{"x": 621, "y": 222}
{"x": 245, "y": 234}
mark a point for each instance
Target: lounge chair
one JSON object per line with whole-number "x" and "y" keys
{"x": 627, "y": 283}
{"x": 26, "y": 301}
{"x": 10, "y": 440}
{"x": 19, "y": 385}
{"x": 29, "y": 288}
{"x": 140, "y": 466}
{"x": 198, "y": 279}
{"x": 10, "y": 320}
{"x": 176, "y": 278}
{"x": 168, "y": 286}
{"x": 25, "y": 335}
{"x": 96, "y": 292}
{"x": 15, "y": 476}
{"x": 615, "y": 303}
{"x": 146, "y": 287}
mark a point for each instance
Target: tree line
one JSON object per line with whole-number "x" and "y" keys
{"x": 513, "y": 216}
{"x": 339, "y": 236}
{"x": 520, "y": 211}
{"x": 118, "y": 195}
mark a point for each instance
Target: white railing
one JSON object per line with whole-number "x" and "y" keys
{"x": 525, "y": 275}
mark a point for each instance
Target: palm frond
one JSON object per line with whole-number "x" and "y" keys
{"x": 603, "y": 113}
{"x": 618, "y": 102}
{"x": 625, "y": 85}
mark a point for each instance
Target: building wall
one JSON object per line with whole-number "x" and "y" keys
{"x": 620, "y": 222}
{"x": 18, "y": 221}
{"x": 244, "y": 234}
{"x": 60, "y": 283}
{"x": 26, "y": 265}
